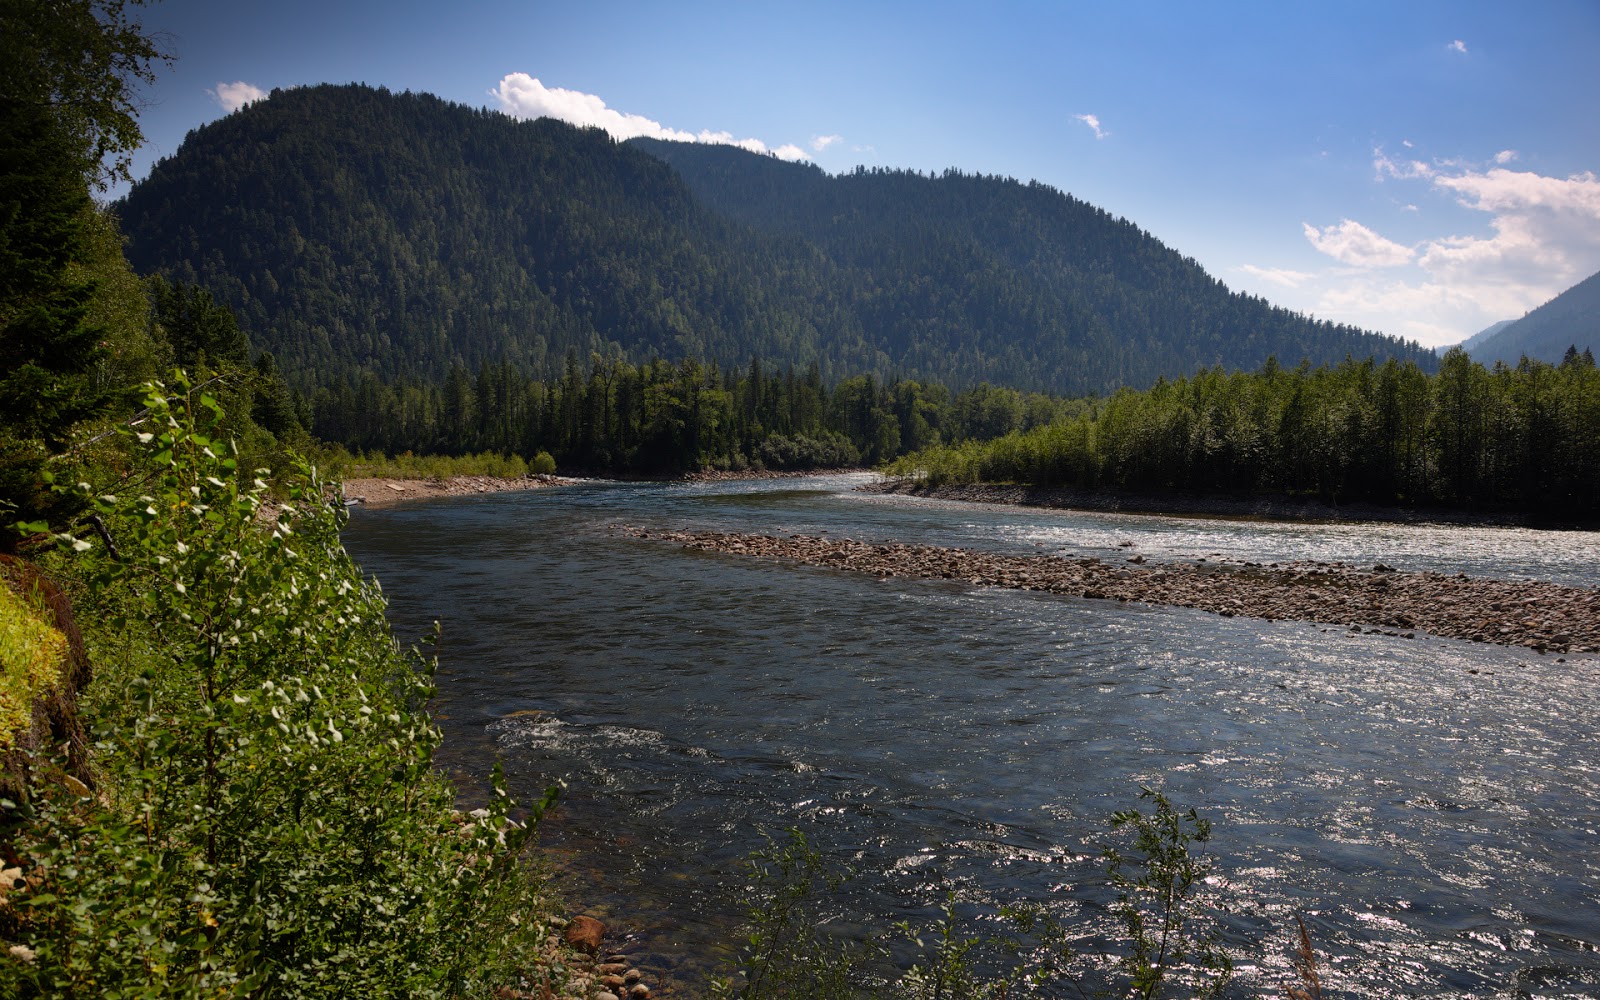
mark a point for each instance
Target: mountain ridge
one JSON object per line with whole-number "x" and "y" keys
{"x": 1571, "y": 319}
{"x": 358, "y": 230}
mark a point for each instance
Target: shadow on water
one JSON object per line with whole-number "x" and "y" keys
{"x": 1431, "y": 806}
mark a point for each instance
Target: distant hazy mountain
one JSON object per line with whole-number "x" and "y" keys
{"x": 358, "y": 230}
{"x": 1571, "y": 319}
{"x": 1471, "y": 343}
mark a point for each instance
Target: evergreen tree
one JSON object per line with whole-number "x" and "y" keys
{"x": 48, "y": 346}
{"x": 67, "y": 70}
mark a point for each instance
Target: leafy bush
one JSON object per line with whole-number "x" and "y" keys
{"x": 341, "y": 464}
{"x": 1156, "y": 904}
{"x": 269, "y": 822}
{"x": 828, "y": 450}
{"x": 785, "y": 952}
{"x": 1170, "y": 950}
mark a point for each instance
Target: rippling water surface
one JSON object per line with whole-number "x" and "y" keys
{"x": 1431, "y": 806}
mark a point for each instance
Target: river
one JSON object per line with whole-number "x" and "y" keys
{"x": 1430, "y": 806}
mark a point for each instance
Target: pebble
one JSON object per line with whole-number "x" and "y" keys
{"x": 1382, "y": 600}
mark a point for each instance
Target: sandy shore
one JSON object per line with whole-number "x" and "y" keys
{"x": 1196, "y": 505}
{"x": 1541, "y": 616}
{"x": 386, "y": 492}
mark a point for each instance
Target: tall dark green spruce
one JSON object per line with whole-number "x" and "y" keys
{"x": 47, "y": 343}
{"x": 68, "y": 70}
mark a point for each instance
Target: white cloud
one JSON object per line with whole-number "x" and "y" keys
{"x": 1433, "y": 312}
{"x": 1093, "y": 121}
{"x": 1458, "y": 46}
{"x": 523, "y": 96}
{"x": 822, "y": 142}
{"x": 1505, "y": 156}
{"x": 235, "y": 95}
{"x": 1278, "y": 275}
{"x": 1404, "y": 170}
{"x": 1546, "y": 231}
{"x": 1354, "y": 244}
{"x": 1542, "y": 236}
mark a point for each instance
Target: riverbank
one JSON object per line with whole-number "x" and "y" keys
{"x": 1198, "y": 505}
{"x": 1539, "y": 616}
{"x": 730, "y": 475}
{"x": 380, "y": 492}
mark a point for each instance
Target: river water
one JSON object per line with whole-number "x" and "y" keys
{"x": 1430, "y": 806}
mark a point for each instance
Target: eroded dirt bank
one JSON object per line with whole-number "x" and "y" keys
{"x": 1542, "y": 616}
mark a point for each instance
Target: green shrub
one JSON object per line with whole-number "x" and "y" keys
{"x": 269, "y": 822}
{"x": 1156, "y": 905}
{"x": 542, "y": 464}
{"x": 828, "y": 450}
{"x": 1170, "y": 948}
{"x": 786, "y": 951}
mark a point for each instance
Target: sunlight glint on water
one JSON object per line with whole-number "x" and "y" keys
{"x": 1436, "y": 826}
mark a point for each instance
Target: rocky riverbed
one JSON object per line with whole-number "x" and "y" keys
{"x": 1540, "y": 616}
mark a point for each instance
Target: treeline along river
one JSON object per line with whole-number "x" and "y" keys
{"x": 1432, "y": 806}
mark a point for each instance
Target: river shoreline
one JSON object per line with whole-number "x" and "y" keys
{"x": 386, "y": 491}
{"x": 1270, "y": 508}
{"x": 1545, "y": 617}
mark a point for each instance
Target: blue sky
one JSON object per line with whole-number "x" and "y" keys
{"x": 1420, "y": 168}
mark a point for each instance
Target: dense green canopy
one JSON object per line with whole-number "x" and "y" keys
{"x": 357, "y": 230}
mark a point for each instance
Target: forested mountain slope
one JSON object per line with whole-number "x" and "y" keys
{"x": 1571, "y": 319}
{"x": 967, "y": 266}
{"x": 354, "y": 229}
{"x": 357, "y": 228}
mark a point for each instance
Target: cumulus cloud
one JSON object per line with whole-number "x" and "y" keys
{"x": 822, "y": 142}
{"x": 1093, "y": 121}
{"x": 1505, "y": 156}
{"x": 1542, "y": 237}
{"x": 1354, "y": 244}
{"x": 1545, "y": 230}
{"x": 523, "y": 96}
{"x": 1278, "y": 275}
{"x": 235, "y": 95}
{"x": 1458, "y": 46}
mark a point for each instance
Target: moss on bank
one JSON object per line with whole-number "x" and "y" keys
{"x": 31, "y": 655}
